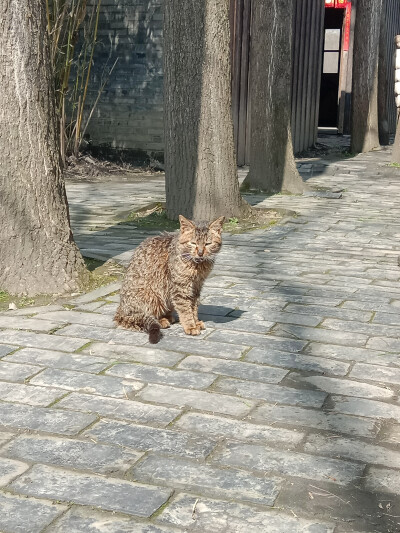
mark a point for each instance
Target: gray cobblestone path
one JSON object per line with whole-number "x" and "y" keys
{"x": 282, "y": 417}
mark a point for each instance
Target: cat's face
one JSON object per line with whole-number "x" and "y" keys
{"x": 200, "y": 242}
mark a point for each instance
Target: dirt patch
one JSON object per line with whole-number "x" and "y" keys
{"x": 154, "y": 217}
{"x": 90, "y": 169}
{"x": 101, "y": 273}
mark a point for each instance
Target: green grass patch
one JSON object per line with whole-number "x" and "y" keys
{"x": 152, "y": 217}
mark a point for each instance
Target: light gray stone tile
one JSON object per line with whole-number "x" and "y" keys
{"x": 140, "y": 354}
{"x": 44, "y": 419}
{"x": 356, "y": 450}
{"x": 320, "y": 335}
{"x": 222, "y": 350}
{"x": 97, "y": 293}
{"x": 27, "y": 515}
{"x": 53, "y": 359}
{"x": 265, "y": 459}
{"x": 212, "y": 481}
{"x": 4, "y": 349}
{"x": 205, "y": 401}
{"x": 16, "y": 372}
{"x": 271, "y": 393}
{"x": 146, "y": 438}
{"x": 262, "y": 341}
{"x": 365, "y": 407}
{"x": 76, "y": 317}
{"x": 376, "y": 373}
{"x": 298, "y": 361}
{"x": 383, "y": 480}
{"x": 346, "y": 387}
{"x": 223, "y": 517}
{"x": 69, "y": 453}
{"x": 20, "y": 322}
{"x": 28, "y": 394}
{"x": 311, "y": 418}
{"x": 233, "y": 369}
{"x": 10, "y": 469}
{"x": 87, "y": 489}
{"x": 41, "y": 340}
{"x": 350, "y": 353}
{"x": 88, "y": 520}
{"x": 84, "y": 382}
{"x": 226, "y": 427}
{"x": 152, "y": 374}
{"x": 117, "y": 336}
{"x": 34, "y": 310}
{"x": 120, "y": 409}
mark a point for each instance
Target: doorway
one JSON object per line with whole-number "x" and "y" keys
{"x": 331, "y": 65}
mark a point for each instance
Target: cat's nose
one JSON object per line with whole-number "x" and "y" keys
{"x": 200, "y": 252}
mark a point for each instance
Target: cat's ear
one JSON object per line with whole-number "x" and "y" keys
{"x": 217, "y": 224}
{"x": 186, "y": 224}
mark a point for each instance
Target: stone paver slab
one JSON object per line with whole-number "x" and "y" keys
{"x": 16, "y": 372}
{"x": 28, "y": 394}
{"x": 204, "y": 401}
{"x": 69, "y": 453}
{"x": 51, "y": 358}
{"x": 84, "y": 382}
{"x": 271, "y": 393}
{"x": 311, "y": 418}
{"x": 208, "y": 480}
{"x": 221, "y": 427}
{"x": 297, "y": 361}
{"x": 120, "y": 408}
{"x": 234, "y": 369}
{"x": 10, "y": 469}
{"x": 86, "y": 489}
{"x": 152, "y": 374}
{"x": 146, "y": 438}
{"x": 41, "y": 340}
{"x": 83, "y": 519}
{"x": 26, "y": 515}
{"x": 49, "y": 420}
{"x": 266, "y": 459}
{"x": 140, "y": 354}
{"x": 223, "y": 517}
{"x": 117, "y": 336}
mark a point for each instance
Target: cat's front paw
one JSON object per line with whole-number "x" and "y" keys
{"x": 200, "y": 324}
{"x": 192, "y": 331}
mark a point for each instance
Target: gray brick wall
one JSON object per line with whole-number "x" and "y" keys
{"x": 129, "y": 114}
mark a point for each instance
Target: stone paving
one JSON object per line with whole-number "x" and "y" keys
{"x": 283, "y": 417}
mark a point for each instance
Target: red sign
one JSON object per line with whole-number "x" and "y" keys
{"x": 346, "y": 30}
{"x": 336, "y": 3}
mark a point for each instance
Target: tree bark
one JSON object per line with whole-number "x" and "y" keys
{"x": 200, "y": 164}
{"x": 383, "y": 122}
{"x": 38, "y": 254}
{"x": 364, "y": 110}
{"x": 396, "y": 145}
{"x": 272, "y": 165}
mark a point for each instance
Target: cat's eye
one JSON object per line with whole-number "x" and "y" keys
{"x": 208, "y": 243}
{"x": 193, "y": 243}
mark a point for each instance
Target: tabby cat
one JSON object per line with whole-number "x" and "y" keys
{"x": 166, "y": 273}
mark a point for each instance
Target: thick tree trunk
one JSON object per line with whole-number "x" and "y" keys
{"x": 200, "y": 165}
{"x": 272, "y": 165}
{"x": 38, "y": 254}
{"x": 396, "y": 146}
{"x": 383, "y": 122}
{"x": 364, "y": 110}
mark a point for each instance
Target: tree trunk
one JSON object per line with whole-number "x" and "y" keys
{"x": 364, "y": 110}
{"x": 396, "y": 146}
{"x": 383, "y": 122}
{"x": 272, "y": 165}
{"x": 200, "y": 165}
{"x": 38, "y": 254}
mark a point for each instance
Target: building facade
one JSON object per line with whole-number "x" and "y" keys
{"x": 129, "y": 115}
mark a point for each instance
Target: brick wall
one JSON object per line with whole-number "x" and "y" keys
{"x": 129, "y": 114}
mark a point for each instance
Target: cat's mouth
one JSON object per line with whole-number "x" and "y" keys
{"x": 197, "y": 260}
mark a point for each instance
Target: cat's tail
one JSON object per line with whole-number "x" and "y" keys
{"x": 153, "y": 328}
{"x": 149, "y": 324}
